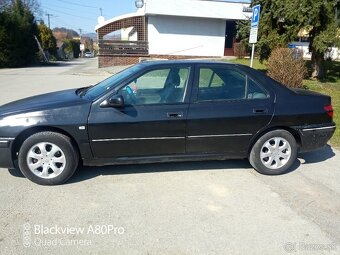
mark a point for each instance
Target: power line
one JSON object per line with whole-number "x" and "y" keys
{"x": 87, "y": 6}
{"x": 63, "y": 24}
{"x": 66, "y": 25}
{"x": 66, "y": 8}
{"x": 67, "y": 13}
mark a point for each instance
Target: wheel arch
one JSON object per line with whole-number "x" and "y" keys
{"x": 33, "y": 130}
{"x": 294, "y": 133}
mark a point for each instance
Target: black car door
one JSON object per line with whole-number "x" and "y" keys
{"x": 153, "y": 120}
{"x": 227, "y": 109}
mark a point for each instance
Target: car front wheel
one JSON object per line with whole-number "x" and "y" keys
{"x": 274, "y": 153}
{"x": 48, "y": 158}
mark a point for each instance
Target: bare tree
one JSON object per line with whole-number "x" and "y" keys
{"x": 4, "y": 4}
{"x": 33, "y": 5}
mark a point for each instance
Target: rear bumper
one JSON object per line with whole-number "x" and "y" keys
{"x": 6, "y": 153}
{"x": 315, "y": 136}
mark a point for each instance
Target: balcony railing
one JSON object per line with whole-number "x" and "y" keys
{"x": 113, "y": 47}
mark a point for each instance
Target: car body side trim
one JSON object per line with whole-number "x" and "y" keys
{"x": 7, "y": 138}
{"x": 137, "y": 138}
{"x": 211, "y": 136}
{"x": 320, "y": 128}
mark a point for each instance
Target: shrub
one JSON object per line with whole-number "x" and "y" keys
{"x": 240, "y": 50}
{"x": 287, "y": 67}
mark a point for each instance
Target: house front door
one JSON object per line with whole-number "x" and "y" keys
{"x": 230, "y": 38}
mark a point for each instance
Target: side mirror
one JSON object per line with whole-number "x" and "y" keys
{"x": 116, "y": 101}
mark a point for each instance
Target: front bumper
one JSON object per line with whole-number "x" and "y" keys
{"x": 315, "y": 136}
{"x": 6, "y": 152}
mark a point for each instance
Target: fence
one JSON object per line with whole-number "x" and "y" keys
{"x": 113, "y": 47}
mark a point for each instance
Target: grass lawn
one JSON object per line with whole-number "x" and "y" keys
{"x": 329, "y": 86}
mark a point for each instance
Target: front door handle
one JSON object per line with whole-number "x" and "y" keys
{"x": 175, "y": 115}
{"x": 260, "y": 111}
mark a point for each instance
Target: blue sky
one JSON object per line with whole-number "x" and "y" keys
{"x": 83, "y": 14}
{"x": 76, "y": 14}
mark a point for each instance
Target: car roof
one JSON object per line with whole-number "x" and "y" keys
{"x": 185, "y": 61}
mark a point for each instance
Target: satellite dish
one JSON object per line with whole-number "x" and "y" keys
{"x": 139, "y": 3}
{"x": 101, "y": 19}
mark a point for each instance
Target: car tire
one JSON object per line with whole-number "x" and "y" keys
{"x": 274, "y": 153}
{"x": 48, "y": 158}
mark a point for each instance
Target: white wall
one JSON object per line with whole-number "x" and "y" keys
{"x": 170, "y": 35}
{"x": 334, "y": 53}
{"x": 198, "y": 8}
{"x": 125, "y": 33}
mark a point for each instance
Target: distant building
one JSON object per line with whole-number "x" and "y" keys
{"x": 171, "y": 29}
{"x": 303, "y": 41}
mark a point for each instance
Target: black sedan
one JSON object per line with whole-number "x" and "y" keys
{"x": 164, "y": 111}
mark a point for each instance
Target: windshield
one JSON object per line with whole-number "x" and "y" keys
{"x": 111, "y": 82}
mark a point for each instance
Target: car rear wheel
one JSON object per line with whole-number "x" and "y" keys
{"x": 48, "y": 158}
{"x": 274, "y": 153}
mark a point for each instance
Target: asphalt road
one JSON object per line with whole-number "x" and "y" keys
{"x": 176, "y": 208}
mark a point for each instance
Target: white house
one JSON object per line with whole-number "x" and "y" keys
{"x": 172, "y": 29}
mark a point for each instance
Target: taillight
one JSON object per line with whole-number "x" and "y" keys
{"x": 329, "y": 110}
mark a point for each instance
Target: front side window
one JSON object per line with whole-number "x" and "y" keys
{"x": 161, "y": 86}
{"x": 226, "y": 84}
{"x": 111, "y": 82}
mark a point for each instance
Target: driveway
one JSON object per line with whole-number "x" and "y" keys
{"x": 217, "y": 207}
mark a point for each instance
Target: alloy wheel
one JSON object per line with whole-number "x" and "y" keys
{"x": 275, "y": 153}
{"x": 46, "y": 160}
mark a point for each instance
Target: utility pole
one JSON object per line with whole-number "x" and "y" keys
{"x": 41, "y": 49}
{"x": 49, "y": 22}
{"x": 81, "y": 49}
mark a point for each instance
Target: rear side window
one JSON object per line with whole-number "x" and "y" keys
{"x": 255, "y": 91}
{"x": 227, "y": 84}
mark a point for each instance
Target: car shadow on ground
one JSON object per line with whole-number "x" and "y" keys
{"x": 85, "y": 173}
{"x": 317, "y": 156}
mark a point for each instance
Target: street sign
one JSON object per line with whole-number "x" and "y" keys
{"x": 253, "y": 35}
{"x": 254, "y": 24}
{"x": 256, "y": 16}
{"x": 255, "y": 19}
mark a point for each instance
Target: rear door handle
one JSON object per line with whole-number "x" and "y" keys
{"x": 260, "y": 111}
{"x": 175, "y": 115}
